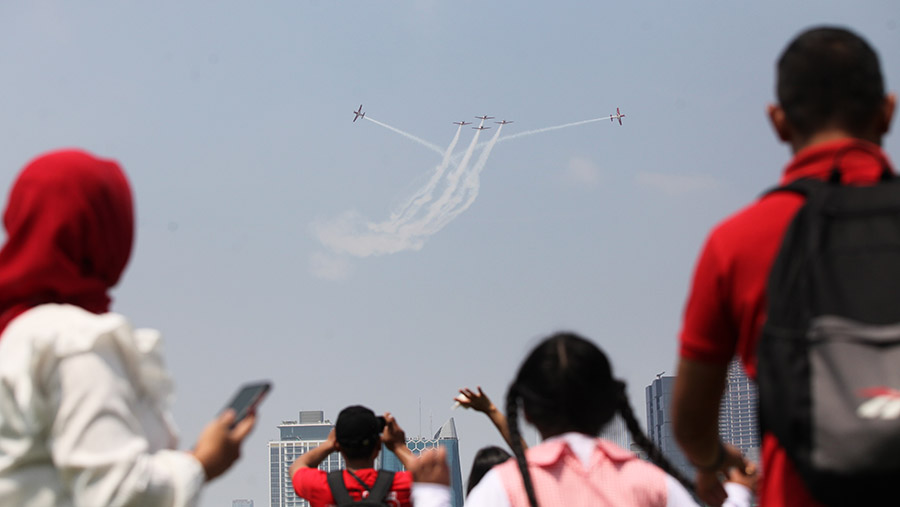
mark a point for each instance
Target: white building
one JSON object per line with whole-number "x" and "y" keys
{"x": 296, "y": 438}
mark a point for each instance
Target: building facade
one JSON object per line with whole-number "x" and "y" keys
{"x": 659, "y": 423}
{"x": 737, "y": 417}
{"x": 738, "y": 413}
{"x": 616, "y": 432}
{"x": 242, "y": 503}
{"x": 296, "y": 438}
{"x": 445, "y": 437}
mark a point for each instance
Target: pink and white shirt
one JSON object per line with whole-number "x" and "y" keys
{"x": 574, "y": 469}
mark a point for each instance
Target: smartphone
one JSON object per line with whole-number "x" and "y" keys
{"x": 247, "y": 398}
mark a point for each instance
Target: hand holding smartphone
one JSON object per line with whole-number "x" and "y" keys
{"x": 247, "y": 399}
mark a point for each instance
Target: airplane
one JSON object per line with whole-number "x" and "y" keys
{"x": 617, "y": 116}
{"x": 485, "y": 117}
{"x": 359, "y": 114}
{"x": 461, "y": 123}
{"x": 482, "y": 127}
{"x": 504, "y": 122}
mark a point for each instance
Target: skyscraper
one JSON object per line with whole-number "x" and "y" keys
{"x": 296, "y": 438}
{"x": 737, "y": 417}
{"x": 659, "y": 423}
{"x": 616, "y": 432}
{"x": 445, "y": 437}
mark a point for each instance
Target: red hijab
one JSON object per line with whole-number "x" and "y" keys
{"x": 70, "y": 224}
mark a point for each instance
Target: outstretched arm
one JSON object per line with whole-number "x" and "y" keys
{"x": 480, "y": 402}
{"x": 313, "y": 457}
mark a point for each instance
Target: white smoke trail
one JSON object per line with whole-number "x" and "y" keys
{"x": 424, "y": 194}
{"x": 548, "y": 129}
{"x": 437, "y": 207}
{"x": 469, "y": 189}
{"x": 423, "y": 142}
{"x": 541, "y": 131}
{"x": 423, "y": 214}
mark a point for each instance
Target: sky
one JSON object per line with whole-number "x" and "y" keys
{"x": 277, "y": 239}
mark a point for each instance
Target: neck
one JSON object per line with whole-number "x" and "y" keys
{"x": 825, "y": 136}
{"x": 359, "y": 463}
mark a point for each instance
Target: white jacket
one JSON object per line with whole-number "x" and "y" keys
{"x": 85, "y": 414}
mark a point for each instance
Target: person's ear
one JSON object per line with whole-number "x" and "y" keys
{"x": 887, "y": 113}
{"x": 780, "y": 123}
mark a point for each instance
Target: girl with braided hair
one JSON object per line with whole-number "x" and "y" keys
{"x": 565, "y": 388}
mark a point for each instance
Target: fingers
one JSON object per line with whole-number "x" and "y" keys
{"x": 243, "y": 428}
{"x": 226, "y": 418}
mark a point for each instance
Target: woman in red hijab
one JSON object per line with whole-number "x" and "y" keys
{"x": 84, "y": 402}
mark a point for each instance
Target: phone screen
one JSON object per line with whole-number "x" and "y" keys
{"x": 247, "y": 398}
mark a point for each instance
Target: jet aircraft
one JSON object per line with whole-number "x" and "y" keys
{"x": 359, "y": 114}
{"x": 503, "y": 122}
{"x": 481, "y": 127}
{"x": 462, "y": 123}
{"x": 617, "y": 116}
{"x": 485, "y": 117}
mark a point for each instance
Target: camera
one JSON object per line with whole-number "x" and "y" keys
{"x": 381, "y": 423}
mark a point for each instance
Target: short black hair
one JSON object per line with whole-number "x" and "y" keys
{"x": 358, "y": 431}
{"x": 830, "y": 77}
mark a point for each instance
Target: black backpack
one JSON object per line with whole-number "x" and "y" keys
{"x": 828, "y": 363}
{"x": 377, "y": 493}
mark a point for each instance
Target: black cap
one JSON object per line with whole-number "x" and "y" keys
{"x": 357, "y": 427}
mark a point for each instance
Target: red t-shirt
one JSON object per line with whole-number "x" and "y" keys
{"x": 312, "y": 484}
{"x": 726, "y": 307}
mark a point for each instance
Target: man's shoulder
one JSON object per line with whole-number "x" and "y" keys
{"x": 765, "y": 216}
{"x": 306, "y": 474}
{"x": 402, "y": 481}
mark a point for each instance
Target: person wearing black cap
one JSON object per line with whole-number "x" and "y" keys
{"x": 357, "y": 435}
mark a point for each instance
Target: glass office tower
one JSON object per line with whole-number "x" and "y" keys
{"x": 738, "y": 413}
{"x": 737, "y": 417}
{"x": 659, "y": 423}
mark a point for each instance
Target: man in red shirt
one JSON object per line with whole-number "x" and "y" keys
{"x": 831, "y": 100}
{"x": 357, "y": 435}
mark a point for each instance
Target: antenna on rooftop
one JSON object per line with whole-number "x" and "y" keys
{"x": 660, "y": 374}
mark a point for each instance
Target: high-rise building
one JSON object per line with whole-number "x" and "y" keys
{"x": 296, "y": 438}
{"x": 242, "y": 503}
{"x": 445, "y": 437}
{"x": 659, "y": 423}
{"x": 737, "y": 416}
{"x": 616, "y": 432}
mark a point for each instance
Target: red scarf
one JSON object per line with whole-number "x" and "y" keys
{"x": 70, "y": 224}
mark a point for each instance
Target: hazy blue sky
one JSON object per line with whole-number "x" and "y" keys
{"x": 233, "y": 120}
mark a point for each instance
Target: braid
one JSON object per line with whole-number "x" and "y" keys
{"x": 656, "y": 456}
{"x": 515, "y": 437}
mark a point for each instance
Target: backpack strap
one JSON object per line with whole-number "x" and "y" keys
{"x": 338, "y": 488}
{"x": 802, "y": 186}
{"x": 382, "y": 485}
